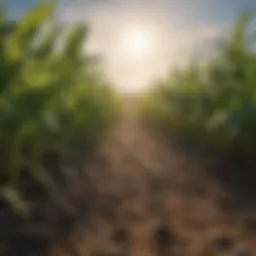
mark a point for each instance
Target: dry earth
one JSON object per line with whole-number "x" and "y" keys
{"x": 152, "y": 199}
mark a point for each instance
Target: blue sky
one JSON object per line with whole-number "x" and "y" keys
{"x": 209, "y": 10}
{"x": 176, "y": 27}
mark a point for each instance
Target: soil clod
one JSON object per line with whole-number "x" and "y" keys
{"x": 224, "y": 243}
{"x": 121, "y": 236}
{"x": 164, "y": 237}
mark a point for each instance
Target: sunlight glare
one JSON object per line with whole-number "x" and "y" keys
{"x": 138, "y": 43}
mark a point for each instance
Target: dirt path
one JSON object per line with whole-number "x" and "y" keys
{"x": 142, "y": 184}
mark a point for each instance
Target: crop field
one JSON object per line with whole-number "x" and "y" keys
{"x": 85, "y": 170}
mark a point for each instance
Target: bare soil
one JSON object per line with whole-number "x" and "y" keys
{"x": 145, "y": 196}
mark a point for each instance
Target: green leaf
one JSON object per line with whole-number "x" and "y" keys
{"x": 13, "y": 198}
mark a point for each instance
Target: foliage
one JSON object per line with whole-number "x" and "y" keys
{"x": 53, "y": 98}
{"x": 213, "y": 103}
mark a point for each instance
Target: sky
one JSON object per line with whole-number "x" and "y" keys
{"x": 167, "y": 32}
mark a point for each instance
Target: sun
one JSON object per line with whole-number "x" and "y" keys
{"x": 138, "y": 43}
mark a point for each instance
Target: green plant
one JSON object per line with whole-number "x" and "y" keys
{"x": 53, "y": 97}
{"x": 214, "y": 103}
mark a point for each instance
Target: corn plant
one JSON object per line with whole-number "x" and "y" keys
{"x": 215, "y": 103}
{"x": 53, "y": 97}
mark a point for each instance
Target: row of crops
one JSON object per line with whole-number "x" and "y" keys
{"x": 55, "y": 103}
{"x": 213, "y": 103}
